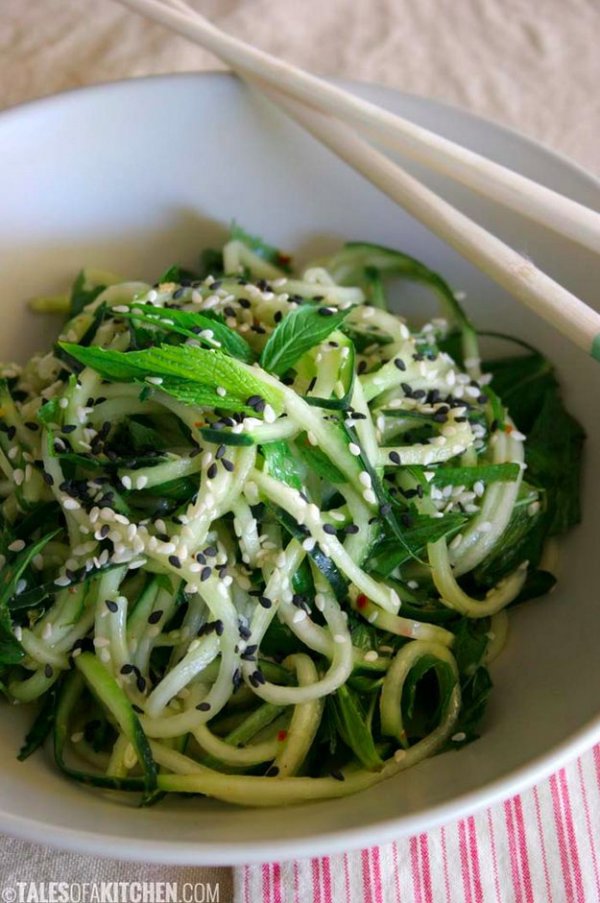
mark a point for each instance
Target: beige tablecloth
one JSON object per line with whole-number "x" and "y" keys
{"x": 533, "y": 66}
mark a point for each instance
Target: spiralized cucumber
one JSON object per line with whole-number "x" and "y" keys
{"x": 253, "y": 528}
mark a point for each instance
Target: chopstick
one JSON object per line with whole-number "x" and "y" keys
{"x": 507, "y": 267}
{"x": 567, "y": 313}
{"x": 525, "y": 196}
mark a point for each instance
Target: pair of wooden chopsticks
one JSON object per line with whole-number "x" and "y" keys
{"x": 333, "y": 116}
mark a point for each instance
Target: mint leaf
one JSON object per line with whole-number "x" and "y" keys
{"x": 297, "y": 333}
{"x": 281, "y": 464}
{"x": 192, "y": 325}
{"x": 181, "y": 366}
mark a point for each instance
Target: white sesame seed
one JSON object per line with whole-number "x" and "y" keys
{"x": 399, "y": 755}
{"x": 312, "y": 438}
{"x": 17, "y": 546}
{"x": 456, "y": 541}
{"x": 479, "y": 488}
{"x": 365, "y": 479}
{"x": 369, "y": 496}
{"x": 300, "y": 615}
{"x": 63, "y": 403}
{"x": 77, "y": 737}
{"x": 126, "y": 481}
{"x": 485, "y": 527}
{"x": 459, "y": 737}
{"x": 533, "y": 509}
{"x": 371, "y": 656}
{"x": 141, "y": 482}
{"x": 47, "y": 631}
{"x": 155, "y": 380}
{"x": 309, "y": 543}
{"x": 340, "y": 638}
{"x": 354, "y": 449}
{"x": 269, "y": 414}
{"x": 100, "y": 642}
{"x": 18, "y": 476}
{"x": 320, "y": 601}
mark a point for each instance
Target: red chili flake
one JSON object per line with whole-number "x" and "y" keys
{"x": 361, "y": 601}
{"x": 281, "y": 735}
{"x": 283, "y": 259}
{"x": 508, "y": 428}
{"x": 198, "y": 424}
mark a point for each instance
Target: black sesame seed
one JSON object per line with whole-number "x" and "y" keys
{"x": 34, "y": 427}
{"x": 127, "y": 669}
{"x": 399, "y": 363}
{"x": 244, "y": 301}
{"x": 155, "y": 616}
{"x": 220, "y": 451}
{"x": 311, "y": 384}
{"x": 337, "y": 775}
{"x": 48, "y": 478}
{"x": 205, "y": 573}
{"x": 69, "y": 428}
{"x": 394, "y": 457}
{"x": 136, "y": 708}
{"x": 272, "y": 771}
{"x": 245, "y": 632}
{"x": 228, "y": 465}
{"x": 111, "y": 605}
{"x": 175, "y": 561}
{"x": 212, "y": 471}
{"x": 140, "y": 683}
{"x": 200, "y": 558}
{"x": 329, "y": 528}
{"x": 219, "y": 627}
{"x": 265, "y": 601}
{"x": 210, "y": 551}
{"x": 406, "y": 389}
{"x": 48, "y": 672}
{"x": 203, "y": 706}
{"x": 385, "y": 509}
{"x": 351, "y": 528}
{"x": 236, "y": 679}
{"x": 326, "y": 311}
{"x": 104, "y": 531}
{"x": 278, "y": 316}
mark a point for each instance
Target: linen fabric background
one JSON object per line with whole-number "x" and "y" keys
{"x": 532, "y": 66}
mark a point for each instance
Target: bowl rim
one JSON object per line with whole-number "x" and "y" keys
{"x": 176, "y": 852}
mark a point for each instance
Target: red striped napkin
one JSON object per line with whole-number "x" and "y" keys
{"x": 542, "y": 846}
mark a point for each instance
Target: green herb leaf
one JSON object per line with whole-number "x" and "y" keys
{"x": 352, "y": 727}
{"x": 186, "y": 363}
{"x": 281, "y": 464}
{"x": 297, "y": 333}
{"x": 192, "y": 325}
{"x": 42, "y": 725}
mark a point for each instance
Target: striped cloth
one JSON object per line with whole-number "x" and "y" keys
{"x": 540, "y": 847}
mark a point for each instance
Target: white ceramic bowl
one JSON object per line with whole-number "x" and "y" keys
{"x": 135, "y": 175}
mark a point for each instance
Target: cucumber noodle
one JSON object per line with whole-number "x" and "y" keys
{"x": 243, "y": 518}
